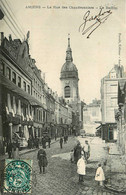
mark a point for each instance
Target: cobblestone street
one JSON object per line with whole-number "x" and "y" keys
{"x": 61, "y": 177}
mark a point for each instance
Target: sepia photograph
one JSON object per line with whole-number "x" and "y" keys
{"x": 63, "y": 97}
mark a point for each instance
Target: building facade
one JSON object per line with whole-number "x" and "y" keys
{"x": 92, "y": 116}
{"x": 109, "y": 102}
{"x": 120, "y": 116}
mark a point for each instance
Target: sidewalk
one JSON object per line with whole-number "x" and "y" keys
{"x": 116, "y": 169}
{"x": 112, "y": 163}
{"x": 26, "y": 150}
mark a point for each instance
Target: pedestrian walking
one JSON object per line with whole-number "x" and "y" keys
{"x": 37, "y": 142}
{"x": 42, "y": 160}
{"x": 9, "y": 149}
{"x": 49, "y": 141}
{"x": 81, "y": 168}
{"x": 61, "y": 142}
{"x": 44, "y": 142}
{"x": 15, "y": 149}
{"x": 100, "y": 175}
{"x": 29, "y": 143}
{"x": 77, "y": 152}
{"x": 86, "y": 150}
{"x": 72, "y": 156}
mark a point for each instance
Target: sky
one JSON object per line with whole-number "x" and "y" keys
{"x": 49, "y": 28}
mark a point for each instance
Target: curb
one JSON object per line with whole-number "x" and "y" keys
{"x": 114, "y": 190}
{"x": 25, "y": 152}
{"x": 32, "y": 150}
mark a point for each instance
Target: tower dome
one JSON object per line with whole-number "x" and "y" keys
{"x": 69, "y": 69}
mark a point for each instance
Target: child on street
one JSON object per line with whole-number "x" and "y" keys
{"x": 81, "y": 168}
{"x": 100, "y": 175}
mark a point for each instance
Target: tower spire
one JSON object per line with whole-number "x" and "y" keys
{"x": 69, "y": 51}
{"x": 68, "y": 40}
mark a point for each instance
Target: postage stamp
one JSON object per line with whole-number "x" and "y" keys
{"x": 18, "y": 176}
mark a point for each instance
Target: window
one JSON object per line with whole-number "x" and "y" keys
{"x": 14, "y": 77}
{"x": 39, "y": 115}
{"x": 8, "y": 73}
{"x": 67, "y": 91}
{"x": 28, "y": 89}
{"x": 19, "y": 81}
{"x": 24, "y": 86}
{"x": 2, "y": 68}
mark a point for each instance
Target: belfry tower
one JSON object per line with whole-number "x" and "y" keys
{"x": 69, "y": 78}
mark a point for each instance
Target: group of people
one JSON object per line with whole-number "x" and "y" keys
{"x": 80, "y": 155}
{"x": 79, "y": 150}
{"x": 13, "y": 149}
{"x": 35, "y": 142}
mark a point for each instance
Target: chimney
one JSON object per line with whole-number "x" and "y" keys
{"x": 2, "y": 38}
{"x": 10, "y": 38}
{"x": 1, "y": 14}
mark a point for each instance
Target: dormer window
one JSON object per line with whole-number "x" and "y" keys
{"x": 19, "y": 81}
{"x": 14, "y": 77}
{"x": 24, "y": 85}
{"x": 8, "y": 73}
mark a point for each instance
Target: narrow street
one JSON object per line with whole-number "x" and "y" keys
{"x": 61, "y": 177}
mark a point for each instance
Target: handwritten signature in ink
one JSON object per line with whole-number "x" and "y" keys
{"x": 99, "y": 19}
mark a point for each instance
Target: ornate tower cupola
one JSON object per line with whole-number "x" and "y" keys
{"x": 69, "y": 77}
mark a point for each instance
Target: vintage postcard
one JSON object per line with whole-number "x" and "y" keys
{"x": 63, "y": 97}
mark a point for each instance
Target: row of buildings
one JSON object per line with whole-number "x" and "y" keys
{"x": 107, "y": 117}
{"x": 28, "y": 107}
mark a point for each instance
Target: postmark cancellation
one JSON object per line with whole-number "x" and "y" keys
{"x": 18, "y": 176}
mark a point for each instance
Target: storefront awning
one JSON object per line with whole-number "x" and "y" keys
{"x": 99, "y": 127}
{"x": 12, "y": 87}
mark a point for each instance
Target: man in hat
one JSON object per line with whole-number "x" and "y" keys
{"x": 86, "y": 150}
{"x": 42, "y": 159}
